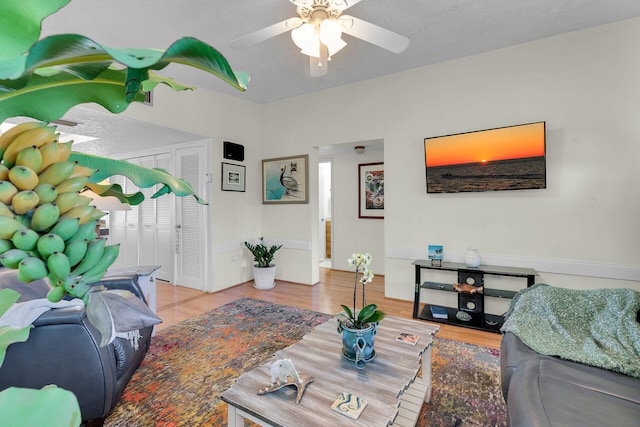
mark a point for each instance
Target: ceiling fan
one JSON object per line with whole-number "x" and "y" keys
{"x": 317, "y": 31}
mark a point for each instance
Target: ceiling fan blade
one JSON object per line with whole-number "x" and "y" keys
{"x": 344, "y": 4}
{"x": 338, "y": 4}
{"x": 318, "y": 67}
{"x": 266, "y": 33}
{"x": 374, "y": 34}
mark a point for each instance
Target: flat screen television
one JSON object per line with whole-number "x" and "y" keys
{"x": 507, "y": 158}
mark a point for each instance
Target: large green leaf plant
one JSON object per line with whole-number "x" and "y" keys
{"x": 43, "y": 79}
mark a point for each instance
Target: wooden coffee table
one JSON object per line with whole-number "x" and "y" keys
{"x": 395, "y": 383}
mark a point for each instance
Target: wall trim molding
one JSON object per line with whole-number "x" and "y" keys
{"x": 227, "y": 247}
{"x": 546, "y": 265}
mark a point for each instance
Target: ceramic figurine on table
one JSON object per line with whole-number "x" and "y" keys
{"x": 283, "y": 373}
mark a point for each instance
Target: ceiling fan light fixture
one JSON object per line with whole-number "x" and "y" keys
{"x": 312, "y": 50}
{"x": 331, "y": 36}
{"x": 306, "y": 39}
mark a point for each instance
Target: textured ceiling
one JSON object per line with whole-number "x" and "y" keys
{"x": 439, "y": 30}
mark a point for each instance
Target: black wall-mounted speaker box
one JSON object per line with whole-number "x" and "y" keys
{"x": 233, "y": 151}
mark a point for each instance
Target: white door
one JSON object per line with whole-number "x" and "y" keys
{"x": 190, "y": 227}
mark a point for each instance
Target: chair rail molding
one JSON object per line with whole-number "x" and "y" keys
{"x": 547, "y": 265}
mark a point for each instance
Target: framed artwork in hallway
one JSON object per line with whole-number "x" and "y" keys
{"x": 371, "y": 190}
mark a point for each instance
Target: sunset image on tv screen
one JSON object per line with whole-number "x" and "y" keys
{"x": 509, "y": 158}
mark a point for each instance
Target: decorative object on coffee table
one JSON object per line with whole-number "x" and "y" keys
{"x": 283, "y": 373}
{"x": 349, "y": 405}
{"x": 359, "y": 328}
{"x": 264, "y": 272}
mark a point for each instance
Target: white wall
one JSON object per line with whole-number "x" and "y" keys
{"x": 579, "y": 232}
{"x": 585, "y": 85}
{"x": 233, "y": 216}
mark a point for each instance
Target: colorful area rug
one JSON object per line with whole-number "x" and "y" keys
{"x": 466, "y": 387}
{"x": 190, "y": 364}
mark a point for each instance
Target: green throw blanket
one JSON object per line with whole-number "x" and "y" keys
{"x": 594, "y": 327}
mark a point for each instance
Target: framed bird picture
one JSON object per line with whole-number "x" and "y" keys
{"x": 285, "y": 180}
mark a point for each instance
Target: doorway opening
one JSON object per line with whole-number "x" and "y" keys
{"x": 325, "y": 207}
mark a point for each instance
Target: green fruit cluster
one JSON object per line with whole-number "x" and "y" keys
{"x": 47, "y": 229}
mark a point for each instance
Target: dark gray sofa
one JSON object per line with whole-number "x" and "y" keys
{"x": 546, "y": 391}
{"x": 63, "y": 349}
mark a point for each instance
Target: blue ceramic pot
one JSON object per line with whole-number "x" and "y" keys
{"x": 357, "y": 344}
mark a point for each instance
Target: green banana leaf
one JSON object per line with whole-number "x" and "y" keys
{"x": 115, "y": 190}
{"x": 7, "y": 298}
{"x": 36, "y": 99}
{"x": 49, "y": 406}
{"x": 86, "y": 58}
{"x": 20, "y": 23}
{"x": 49, "y": 93}
{"x": 9, "y": 335}
{"x": 139, "y": 175}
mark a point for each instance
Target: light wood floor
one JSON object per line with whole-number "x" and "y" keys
{"x": 177, "y": 303}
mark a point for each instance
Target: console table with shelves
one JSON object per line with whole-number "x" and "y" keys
{"x": 470, "y": 304}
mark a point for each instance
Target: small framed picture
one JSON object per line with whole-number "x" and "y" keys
{"x": 436, "y": 254}
{"x": 233, "y": 177}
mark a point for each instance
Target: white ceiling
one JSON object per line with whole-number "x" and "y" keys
{"x": 439, "y": 30}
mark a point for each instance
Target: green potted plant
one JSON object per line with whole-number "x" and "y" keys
{"x": 264, "y": 272}
{"x": 358, "y": 328}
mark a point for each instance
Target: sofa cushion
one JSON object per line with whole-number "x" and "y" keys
{"x": 513, "y": 354}
{"x": 551, "y": 392}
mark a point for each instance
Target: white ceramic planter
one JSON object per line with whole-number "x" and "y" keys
{"x": 264, "y": 278}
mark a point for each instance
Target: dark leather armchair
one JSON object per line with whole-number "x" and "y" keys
{"x": 63, "y": 349}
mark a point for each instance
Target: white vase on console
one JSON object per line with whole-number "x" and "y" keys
{"x": 472, "y": 258}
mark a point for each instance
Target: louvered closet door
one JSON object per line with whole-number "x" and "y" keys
{"x": 131, "y": 237}
{"x": 147, "y": 248}
{"x": 190, "y": 229}
{"x": 117, "y": 228}
{"x": 164, "y": 207}
{"x": 155, "y": 216}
